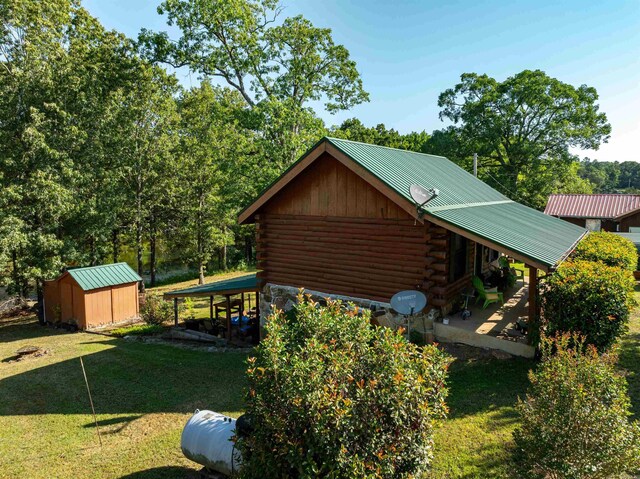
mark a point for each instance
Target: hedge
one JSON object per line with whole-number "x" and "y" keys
{"x": 332, "y": 396}
{"x": 591, "y": 298}
{"x": 608, "y": 248}
{"x": 574, "y": 421}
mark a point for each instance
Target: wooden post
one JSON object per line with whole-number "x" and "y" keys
{"x": 533, "y": 294}
{"x": 258, "y": 315}
{"x": 211, "y": 308}
{"x": 241, "y": 307}
{"x": 228, "y": 316}
{"x": 175, "y": 311}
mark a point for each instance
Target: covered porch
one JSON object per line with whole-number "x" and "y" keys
{"x": 494, "y": 327}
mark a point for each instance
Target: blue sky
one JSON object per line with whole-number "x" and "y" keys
{"x": 408, "y": 52}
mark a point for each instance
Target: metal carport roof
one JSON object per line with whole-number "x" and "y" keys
{"x": 242, "y": 284}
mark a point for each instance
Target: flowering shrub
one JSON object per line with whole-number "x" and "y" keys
{"x": 156, "y": 310}
{"x": 591, "y": 298}
{"x": 575, "y": 417}
{"x": 608, "y": 248}
{"x": 332, "y": 396}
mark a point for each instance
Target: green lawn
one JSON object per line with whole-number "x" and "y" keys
{"x": 144, "y": 393}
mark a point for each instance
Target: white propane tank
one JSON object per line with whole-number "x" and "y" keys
{"x": 206, "y": 439}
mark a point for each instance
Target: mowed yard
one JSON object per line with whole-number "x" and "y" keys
{"x": 144, "y": 393}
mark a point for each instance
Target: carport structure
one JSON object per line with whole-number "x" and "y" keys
{"x": 228, "y": 288}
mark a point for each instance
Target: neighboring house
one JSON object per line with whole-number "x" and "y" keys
{"x": 602, "y": 212}
{"x": 341, "y": 222}
{"x": 93, "y": 296}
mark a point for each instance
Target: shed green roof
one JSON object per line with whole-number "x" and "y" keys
{"x": 237, "y": 285}
{"x": 465, "y": 203}
{"x": 94, "y": 277}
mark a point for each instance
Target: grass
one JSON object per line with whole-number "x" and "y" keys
{"x": 137, "y": 330}
{"x": 144, "y": 393}
{"x": 143, "y": 396}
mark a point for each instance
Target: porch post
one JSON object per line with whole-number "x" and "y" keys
{"x": 533, "y": 294}
{"x": 258, "y": 315}
{"x": 228, "y": 316}
{"x": 175, "y": 311}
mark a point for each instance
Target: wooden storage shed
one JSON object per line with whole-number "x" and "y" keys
{"x": 93, "y": 296}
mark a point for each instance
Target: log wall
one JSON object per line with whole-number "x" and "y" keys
{"x": 331, "y": 231}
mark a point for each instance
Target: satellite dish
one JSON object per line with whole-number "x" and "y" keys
{"x": 409, "y": 302}
{"x": 422, "y": 195}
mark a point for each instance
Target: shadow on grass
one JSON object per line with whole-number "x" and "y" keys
{"x": 119, "y": 422}
{"x": 487, "y": 385}
{"x": 129, "y": 378}
{"x": 167, "y": 472}
{"x": 22, "y": 327}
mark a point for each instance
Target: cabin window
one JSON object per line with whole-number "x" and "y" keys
{"x": 458, "y": 257}
{"x": 593, "y": 224}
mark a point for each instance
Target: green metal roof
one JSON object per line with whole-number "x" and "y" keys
{"x": 94, "y": 277}
{"x": 468, "y": 203}
{"x": 227, "y": 286}
{"x": 634, "y": 237}
{"x": 400, "y": 169}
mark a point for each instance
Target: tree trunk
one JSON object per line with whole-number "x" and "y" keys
{"x": 224, "y": 249}
{"x": 16, "y": 274}
{"x": 200, "y": 272}
{"x": 200, "y": 241}
{"x": 248, "y": 251}
{"x": 40, "y": 294}
{"x": 152, "y": 248}
{"x": 139, "y": 226}
{"x": 92, "y": 251}
{"x": 115, "y": 245}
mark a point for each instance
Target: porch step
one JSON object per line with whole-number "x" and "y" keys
{"x": 447, "y": 333}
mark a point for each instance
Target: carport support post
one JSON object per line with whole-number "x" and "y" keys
{"x": 229, "y": 316}
{"x": 533, "y": 295}
{"x": 175, "y": 311}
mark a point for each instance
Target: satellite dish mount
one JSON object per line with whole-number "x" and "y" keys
{"x": 408, "y": 303}
{"x": 422, "y": 196}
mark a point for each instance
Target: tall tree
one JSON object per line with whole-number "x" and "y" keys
{"x": 277, "y": 67}
{"x": 521, "y": 126}
{"x": 212, "y": 144}
{"x": 353, "y": 129}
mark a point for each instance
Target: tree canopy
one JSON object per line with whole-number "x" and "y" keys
{"x": 521, "y": 128}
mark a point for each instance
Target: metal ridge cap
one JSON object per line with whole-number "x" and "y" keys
{"x": 467, "y": 205}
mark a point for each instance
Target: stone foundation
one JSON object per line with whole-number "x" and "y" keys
{"x": 285, "y": 297}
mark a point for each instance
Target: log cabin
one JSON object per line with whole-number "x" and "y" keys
{"x": 341, "y": 222}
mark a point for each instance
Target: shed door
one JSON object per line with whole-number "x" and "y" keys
{"x": 66, "y": 301}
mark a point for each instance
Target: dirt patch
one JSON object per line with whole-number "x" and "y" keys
{"x": 27, "y": 353}
{"x": 464, "y": 352}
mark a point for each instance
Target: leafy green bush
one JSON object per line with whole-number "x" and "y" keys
{"x": 156, "y": 310}
{"x": 608, "y": 248}
{"x": 575, "y": 417}
{"x": 331, "y": 396}
{"x": 591, "y": 298}
{"x": 138, "y": 330}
